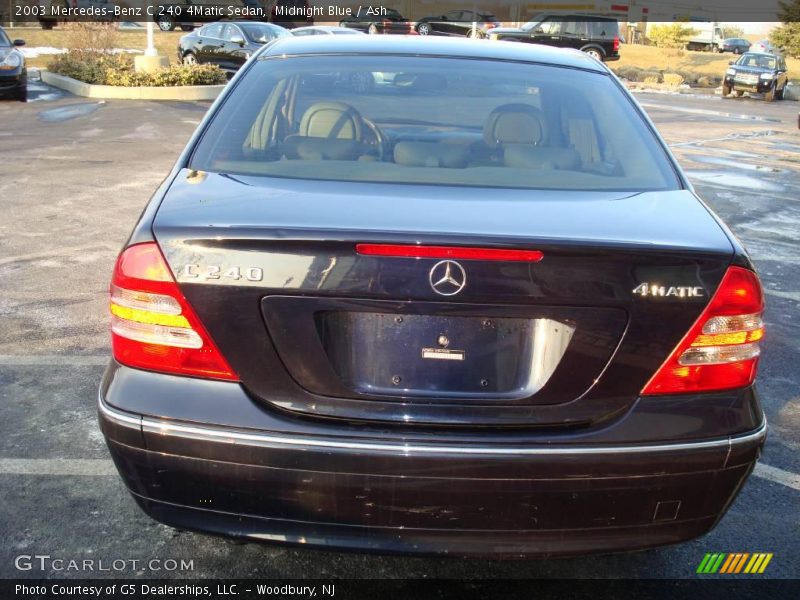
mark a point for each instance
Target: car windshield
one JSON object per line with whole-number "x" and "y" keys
{"x": 757, "y": 60}
{"x": 407, "y": 119}
{"x": 259, "y": 32}
{"x": 4, "y": 41}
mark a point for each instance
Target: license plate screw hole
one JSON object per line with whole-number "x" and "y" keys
{"x": 484, "y": 382}
{"x": 396, "y": 379}
{"x": 443, "y": 341}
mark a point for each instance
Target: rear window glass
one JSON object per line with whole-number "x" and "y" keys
{"x": 436, "y": 121}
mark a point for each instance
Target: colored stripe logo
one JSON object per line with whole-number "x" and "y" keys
{"x": 734, "y": 562}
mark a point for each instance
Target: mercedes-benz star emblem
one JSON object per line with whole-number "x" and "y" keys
{"x": 447, "y": 278}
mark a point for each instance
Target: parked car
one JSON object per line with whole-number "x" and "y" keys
{"x": 379, "y": 20}
{"x": 13, "y": 73}
{"x": 458, "y": 22}
{"x": 227, "y": 44}
{"x": 597, "y": 36}
{"x": 186, "y": 14}
{"x": 759, "y": 73}
{"x": 445, "y": 316}
{"x": 735, "y": 45}
{"x": 325, "y": 30}
{"x": 764, "y": 46}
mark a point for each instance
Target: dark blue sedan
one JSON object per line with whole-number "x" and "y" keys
{"x": 447, "y": 313}
{"x": 735, "y": 45}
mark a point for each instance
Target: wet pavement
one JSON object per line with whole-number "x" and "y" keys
{"x": 75, "y": 176}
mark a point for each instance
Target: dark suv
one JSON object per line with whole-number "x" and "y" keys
{"x": 757, "y": 73}
{"x": 597, "y": 36}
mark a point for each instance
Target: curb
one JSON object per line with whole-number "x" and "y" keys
{"x": 87, "y": 90}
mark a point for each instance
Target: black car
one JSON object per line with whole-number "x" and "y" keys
{"x": 186, "y": 14}
{"x": 597, "y": 36}
{"x": 227, "y": 44}
{"x": 757, "y": 73}
{"x": 13, "y": 73}
{"x": 735, "y": 45}
{"x": 459, "y": 22}
{"x": 379, "y": 20}
{"x": 481, "y": 320}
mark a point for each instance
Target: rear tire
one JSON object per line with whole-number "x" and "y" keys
{"x": 424, "y": 29}
{"x": 770, "y": 95}
{"x": 166, "y": 23}
{"x": 373, "y": 29}
{"x": 22, "y": 93}
{"x": 779, "y": 93}
{"x": 187, "y": 27}
{"x": 739, "y": 93}
{"x": 47, "y": 25}
{"x": 737, "y": 50}
{"x": 594, "y": 53}
{"x": 189, "y": 59}
{"x": 726, "y": 90}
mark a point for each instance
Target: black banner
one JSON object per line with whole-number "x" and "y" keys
{"x": 510, "y": 12}
{"x": 246, "y": 589}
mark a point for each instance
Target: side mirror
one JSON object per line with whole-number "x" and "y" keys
{"x": 237, "y": 39}
{"x": 19, "y": 42}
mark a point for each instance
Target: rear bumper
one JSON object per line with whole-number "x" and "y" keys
{"x": 406, "y": 493}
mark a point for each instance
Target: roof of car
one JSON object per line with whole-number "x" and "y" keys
{"x": 431, "y": 46}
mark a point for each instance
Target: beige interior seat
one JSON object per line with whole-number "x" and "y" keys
{"x": 327, "y": 131}
{"x": 518, "y": 133}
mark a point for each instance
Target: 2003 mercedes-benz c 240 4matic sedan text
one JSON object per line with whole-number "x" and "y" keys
{"x": 438, "y": 314}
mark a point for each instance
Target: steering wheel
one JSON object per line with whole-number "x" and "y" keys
{"x": 380, "y": 140}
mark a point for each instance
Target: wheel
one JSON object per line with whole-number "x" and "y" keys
{"x": 373, "y": 29}
{"x": 737, "y": 50}
{"x": 424, "y": 29}
{"x": 594, "y": 53}
{"x": 47, "y": 24}
{"x": 779, "y": 93}
{"x": 166, "y": 23}
{"x": 726, "y": 90}
{"x": 189, "y": 58}
{"x": 717, "y": 49}
{"x": 770, "y": 95}
{"x": 22, "y": 93}
{"x": 739, "y": 93}
{"x": 187, "y": 27}
{"x": 475, "y": 33}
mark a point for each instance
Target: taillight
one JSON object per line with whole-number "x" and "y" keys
{"x": 153, "y": 326}
{"x": 616, "y": 43}
{"x": 721, "y": 350}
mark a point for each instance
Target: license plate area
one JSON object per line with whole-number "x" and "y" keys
{"x": 417, "y": 355}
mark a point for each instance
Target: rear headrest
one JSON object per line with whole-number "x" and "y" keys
{"x": 331, "y": 120}
{"x": 514, "y": 124}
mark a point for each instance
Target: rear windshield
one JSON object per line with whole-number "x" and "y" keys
{"x": 433, "y": 121}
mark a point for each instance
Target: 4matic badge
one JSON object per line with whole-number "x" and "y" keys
{"x": 663, "y": 291}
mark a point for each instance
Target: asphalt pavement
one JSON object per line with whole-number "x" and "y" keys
{"x": 75, "y": 175}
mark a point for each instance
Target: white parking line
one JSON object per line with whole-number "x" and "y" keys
{"x": 53, "y": 360}
{"x": 87, "y": 467}
{"x": 777, "y": 475}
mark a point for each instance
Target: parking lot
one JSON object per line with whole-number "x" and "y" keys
{"x": 75, "y": 175}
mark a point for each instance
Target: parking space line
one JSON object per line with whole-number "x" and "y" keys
{"x": 87, "y": 467}
{"x": 53, "y": 360}
{"x": 777, "y": 475}
{"x": 788, "y": 295}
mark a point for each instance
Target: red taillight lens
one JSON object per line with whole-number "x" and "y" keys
{"x": 616, "y": 43}
{"x": 152, "y": 325}
{"x": 721, "y": 350}
{"x": 462, "y": 252}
